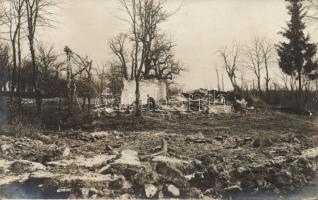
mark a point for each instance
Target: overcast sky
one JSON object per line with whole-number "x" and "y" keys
{"x": 199, "y": 29}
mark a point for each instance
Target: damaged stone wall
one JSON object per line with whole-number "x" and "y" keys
{"x": 157, "y": 89}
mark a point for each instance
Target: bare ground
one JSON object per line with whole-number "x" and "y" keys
{"x": 162, "y": 156}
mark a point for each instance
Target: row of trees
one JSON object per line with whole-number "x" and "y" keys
{"x": 256, "y": 57}
{"x": 40, "y": 71}
{"x": 145, "y": 52}
{"x": 56, "y": 77}
{"x": 296, "y": 55}
{"x": 22, "y": 19}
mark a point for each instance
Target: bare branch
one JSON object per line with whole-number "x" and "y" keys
{"x": 231, "y": 59}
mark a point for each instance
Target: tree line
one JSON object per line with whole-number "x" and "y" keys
{"x": 143, "y": 52}
{"x": 39, "y": 71}
{"x": 295, "y": 55}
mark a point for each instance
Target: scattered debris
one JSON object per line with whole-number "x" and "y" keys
{"x": 194, "y": 163}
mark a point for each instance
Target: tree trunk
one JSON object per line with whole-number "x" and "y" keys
{"x": 14, "y": 70}
{"x": 259, "y": 86}
{"x": 316, "y": 88}
{"x": 267, "y": 79}
{"x": 69, "y": 85}
{"x": 83, "y": 103}
{"x": 89, "y": 104}
{"x": 70, "y": 97}
{"x": 38, "y": 101}
{"x": 89, "y": 91}
{"x": 138, "y": 107}
{"x": 299, "y": 85}
{"x": 37, "y": 95}
{"x": 19, "y": 74}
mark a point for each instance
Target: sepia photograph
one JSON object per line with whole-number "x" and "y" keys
{"x": 159, "y": 99}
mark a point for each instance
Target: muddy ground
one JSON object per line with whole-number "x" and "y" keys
{"x": 162, "y": 156}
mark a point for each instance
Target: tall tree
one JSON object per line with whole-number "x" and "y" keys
{"x": 37, "y": 14}
{"x": 149, "y": 52}
{"x": 296, "y": 56}
{"x": 161, "y": 63}
{"x": 13, "y": 20}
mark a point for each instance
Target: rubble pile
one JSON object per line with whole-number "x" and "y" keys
{"x": 201, "y": 100}
{"x": 152, "y": 165}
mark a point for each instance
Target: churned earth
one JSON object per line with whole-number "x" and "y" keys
{"x": 234, "y": 156}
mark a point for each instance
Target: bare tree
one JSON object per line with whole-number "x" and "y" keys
{"x": 14, "y": 20}
{"x": 255, "y": 60}
{"x": 49, "y": 67}
{"x": 144, "y": 18}
{"x": 48, "y": 61}
{"x": 161, "y": 63}
{"x": 268, "y": 54}
{"x": 134, "y": 10}
{"x": 51, "y": 58}
{"x": 117, "y": 45}
{"x": 37, "y": 14}
{"x": 231, "y": 59}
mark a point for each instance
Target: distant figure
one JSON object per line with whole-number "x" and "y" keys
{"x": 151, "y": 103}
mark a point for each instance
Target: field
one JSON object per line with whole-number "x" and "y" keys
{"x": 258, "y": 154}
